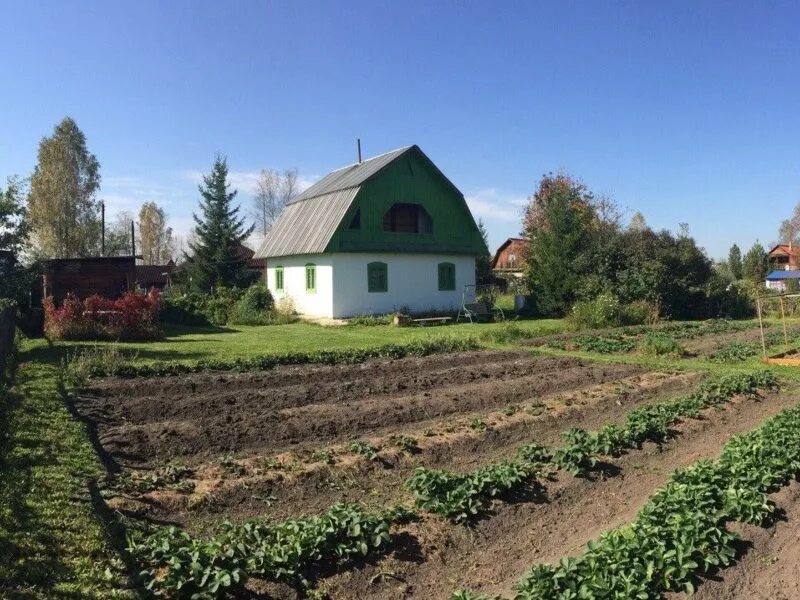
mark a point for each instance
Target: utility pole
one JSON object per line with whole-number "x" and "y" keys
{"x": 102, "y": 228}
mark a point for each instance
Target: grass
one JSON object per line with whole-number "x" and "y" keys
{"x": 190, "y": 344}
{"x": 52, "y": 543}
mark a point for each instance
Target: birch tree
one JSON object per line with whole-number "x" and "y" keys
{"x": 62, "y": 207}
{"x": 155, "y": 241}
{"x": 274, "y": 190}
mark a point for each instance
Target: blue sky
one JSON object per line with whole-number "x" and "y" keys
{"x": 686, "y": 111}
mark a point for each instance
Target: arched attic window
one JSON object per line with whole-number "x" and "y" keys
{"x": 407, "y": 218}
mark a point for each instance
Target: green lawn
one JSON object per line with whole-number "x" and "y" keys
{"x": 52, "y": 542}
{"x": 188, "y": 344}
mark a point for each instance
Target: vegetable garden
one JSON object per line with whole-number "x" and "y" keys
{"x": 468, "y": 474}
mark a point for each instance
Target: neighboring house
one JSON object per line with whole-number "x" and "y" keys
{"x": 155, "y": 276}
{"x": 777, "y": 280}
{"x": 255, "y": 266}
{"x": 389, "y": 233}
{"x": 510, "y": 257}
{"x": 784, "y": 257}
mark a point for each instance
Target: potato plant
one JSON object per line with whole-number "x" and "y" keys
{"x": 177, "y": 565}
{"x": 365, "y": 449}
{"x": 461, "y": 497}
{"x": 681, "y": 533}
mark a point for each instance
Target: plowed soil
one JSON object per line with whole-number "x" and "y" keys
{"x": 557, "y": 521}
{"x": 249, "y": 438}
{"x": 151, "y": 421}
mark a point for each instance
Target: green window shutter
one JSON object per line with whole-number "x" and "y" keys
{"x": 311, "y": 278}
{"x": 447, "y": 277}
{"x": 279, "y": 279}
{"x": 377, "y": 277}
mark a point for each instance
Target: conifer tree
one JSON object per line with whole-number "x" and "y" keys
{"x": 735, "y": 261}
{"x": 215, "y": 259}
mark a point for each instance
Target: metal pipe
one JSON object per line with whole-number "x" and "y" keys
{"x": 358, "y": 141}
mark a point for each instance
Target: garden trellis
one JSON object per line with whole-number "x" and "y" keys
{"x": 786, "y": 357}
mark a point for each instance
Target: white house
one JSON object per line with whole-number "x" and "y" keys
{"x": 386, "y": 234}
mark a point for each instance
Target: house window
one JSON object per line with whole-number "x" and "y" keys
{"x": 278, "y": 279}
{"x": 407, "y": 218}
{"x": 447, "y": 276}
{"x": 356, "y": 222}
{"x": 311, "y": 278}
{"x": 377, "y": 277}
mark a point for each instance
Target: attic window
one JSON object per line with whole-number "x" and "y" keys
{"x": 356, "y": 222}
{"x": 407, "y": 218}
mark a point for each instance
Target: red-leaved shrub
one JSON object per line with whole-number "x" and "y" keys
{"x": 130, "y": 317}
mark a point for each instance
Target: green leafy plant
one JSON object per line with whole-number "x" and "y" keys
{"x": 364, "y": 449}
{"x": 174, "y": 564}
{"x": 658, "y": 344}
{"x": 406, "y": 443}
{"x": 323, "y": 456}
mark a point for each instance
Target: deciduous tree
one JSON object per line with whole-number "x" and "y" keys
{"x": 557, "y": 222}
{"x": 118, "y": 235}
{"x": 13, "y": 216}
{"x": 273, "y": 191}
{"x": 155, "y": 242}
{"x": 61, "y": 203}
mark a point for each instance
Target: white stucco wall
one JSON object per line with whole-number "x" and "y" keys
{"x": 342, "y": 283}
{"x": 319, "y": 303}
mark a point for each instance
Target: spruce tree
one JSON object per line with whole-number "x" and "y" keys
{"x": 735, "y": 262}
{"x": 215, "y": 258}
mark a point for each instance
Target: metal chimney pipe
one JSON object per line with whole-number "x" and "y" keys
{"x": 358, "y": 140}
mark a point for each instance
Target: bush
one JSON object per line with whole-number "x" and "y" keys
{"x": 131, "y": 317}
{"x": 602, "y": 312}
{"x": 227, "y": 306}
{"x": 255, "y": 307}
{"x": 184, "y": 309}
{"x": 639, "y": 312}
{"x": 659, "y": 345}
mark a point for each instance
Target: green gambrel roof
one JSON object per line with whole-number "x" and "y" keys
{"x": 351, "y": 176}
{"x": 310, "y": 221}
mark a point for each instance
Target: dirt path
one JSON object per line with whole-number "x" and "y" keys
{"x": 493, "y": 555}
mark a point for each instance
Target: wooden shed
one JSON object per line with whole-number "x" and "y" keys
{"x": 108, "y": 276}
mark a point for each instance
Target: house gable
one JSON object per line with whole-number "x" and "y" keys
{"x": 411, "y": 179}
